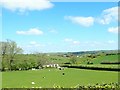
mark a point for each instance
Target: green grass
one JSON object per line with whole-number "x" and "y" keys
{"x": 110, "y": 58}
{"x": 54, "y": 77}
{"x": 99, "y": 59}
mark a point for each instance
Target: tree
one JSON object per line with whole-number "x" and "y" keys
{"x": 73, "y": 59}
{"x": 8, "y": 51}
{"x": 42, "y": 59}
{"x": 3, "y": 48}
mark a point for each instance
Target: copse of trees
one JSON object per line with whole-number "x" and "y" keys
{"x": 8, "y": 50}
{"x": 13, "y": 58}
{"x": 41, "y": 60}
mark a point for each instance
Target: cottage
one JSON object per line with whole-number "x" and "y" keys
{"x": 51, "y": 65}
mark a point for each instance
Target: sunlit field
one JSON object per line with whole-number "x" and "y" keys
{"x": 49, "y": 78}
{"x": 48, "y": 44}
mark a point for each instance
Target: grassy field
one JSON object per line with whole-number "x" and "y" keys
{"x": 48, "y": 79}
{"x": 112, "y": 58}
{"x": 52, "y": 77}
{"x": 99, "y": 59}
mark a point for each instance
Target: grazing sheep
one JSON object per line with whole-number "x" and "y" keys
{"x": 33, "y": 82}
{"x": 33, "y": 68}
{"x": 60, "y": 68}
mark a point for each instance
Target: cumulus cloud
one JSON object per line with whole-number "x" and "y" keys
{"x": 83, "y": 21}
{"x": 111, "y": 41}
{"x": 71, "y": 41}
{"x": 32, "y": 31}
{"x": 68, "y": 40}
{"x": 93, "y": 43}
{"x": 114, "y": 30}
{"x": 54, "y": 31}
{"x": 35, "y": 44}
{"x": 32, "y": 47}
{"x": 76, "y": 42}
{"x": 26, "y": 5}
{"x": 99, "y": 43}
{"x": 109, "y": 15}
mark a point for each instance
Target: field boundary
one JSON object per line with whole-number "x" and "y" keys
{"x": 93, "y": 68}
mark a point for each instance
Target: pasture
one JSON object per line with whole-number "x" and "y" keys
{"x": 48, "y": 78}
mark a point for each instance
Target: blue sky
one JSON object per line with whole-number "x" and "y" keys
{"x": 61, "y": 26}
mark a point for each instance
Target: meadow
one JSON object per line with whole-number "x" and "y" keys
{"x": 49, "y": 78}
{"x": 28, "y": 71}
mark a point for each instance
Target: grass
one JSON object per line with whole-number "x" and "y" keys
{"x": 110, "y": 58}
{"x": 54, "y": 77}
{"x": 99, "y": 59}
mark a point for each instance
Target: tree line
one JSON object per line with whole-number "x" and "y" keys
{"x": 12, "y": 57}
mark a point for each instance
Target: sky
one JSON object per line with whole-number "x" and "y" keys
{"x": 60, "y": 26}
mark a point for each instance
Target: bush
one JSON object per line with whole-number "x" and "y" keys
{"x": 67, "y": 63}
{"x": 89, "y": 62}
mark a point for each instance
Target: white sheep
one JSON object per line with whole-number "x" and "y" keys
{"x": 33, "y": 82}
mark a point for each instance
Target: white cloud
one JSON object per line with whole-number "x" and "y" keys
{"x": 35, "y": 44}
{"x": 76, "y": 42}
{"x": 109, "y": 15}
{"x": 68, "y": 40}
{"x": 83, "y": 21}
{"x": 54, "y": 31}
{"x": 26, "y": 5}
{"x": 94, "y": 43}
{"x": 71, "y": 41}
{"x": 113, "y": 30}
{"x": 111, "y": 41}
{"x": 33, "y": 47}
{"x": 32, "y": 31}
{"x": 99, "y": 43}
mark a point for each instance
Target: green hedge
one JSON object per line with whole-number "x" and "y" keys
{"x": 92, "y": 68}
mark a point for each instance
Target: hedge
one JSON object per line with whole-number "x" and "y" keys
{"x": 93, "y": 68}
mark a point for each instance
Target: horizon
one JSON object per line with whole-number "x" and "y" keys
{"x": 71, "y": 51}
{"x": 61, "y": 26}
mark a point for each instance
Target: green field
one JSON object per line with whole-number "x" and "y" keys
{"x": 54, "y": 77}
{"x": 99, "y": 59}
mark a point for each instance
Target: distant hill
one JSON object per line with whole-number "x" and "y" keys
{"x": 94, "y": 52}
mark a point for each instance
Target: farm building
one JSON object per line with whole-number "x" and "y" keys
{"x": 51, "y": 65}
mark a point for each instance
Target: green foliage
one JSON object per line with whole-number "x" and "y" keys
{"x": 73, "y": 60}
{"x": 8, "y": 50}
{"x": 13, "y": 60}
{"x": 38, "y": 60}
